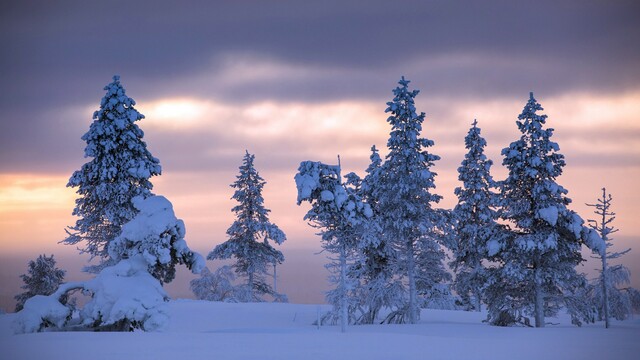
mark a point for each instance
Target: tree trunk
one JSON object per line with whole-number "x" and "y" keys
{"x": 343, "y": 293}
{"x": 413, "y": 306}
{"x": 250, "y": 285}
{"x": 539, "y": 300}
{"x": 605, "y": 298}
{"x": 275, "y": 279}
{"x": 478, "y": 294}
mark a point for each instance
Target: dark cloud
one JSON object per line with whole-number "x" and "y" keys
{"x": 59, "y": 54}
{"x": 61, "y": 51}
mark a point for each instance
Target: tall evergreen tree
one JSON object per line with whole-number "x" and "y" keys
{"x": 609, "y": 299}
{"x": 42, "y": 278}
{"x": 250, "y": 234}
{"x": 538, "y": 258}
{"x": 404, "y": 190}
{"x": 119, "y": 170}
{"x": 475, "y": 219}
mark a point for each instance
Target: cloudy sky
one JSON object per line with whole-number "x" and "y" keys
{"x": 300, "y": 80}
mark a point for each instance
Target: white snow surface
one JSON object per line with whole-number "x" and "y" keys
{"x": 215, "y": 330}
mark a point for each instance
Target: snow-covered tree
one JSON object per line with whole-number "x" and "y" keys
{"x": 119, "y": 170}
{"x": 342, "y": 218}
{"x": 129, "y": 294}
{"x": 215, "y": 286}
{"x": 373, "y": 266}
{"x": 403, "y": 191}
{"x": 124, "y": 297}
{"x": 537, "y": 271}
{"x": 608, "y": 295}
{"x": 475, "y": 220}
{"x": 250, "y": 234}
{"x": 156, "y": 234}
{"x": 42, "y": 278}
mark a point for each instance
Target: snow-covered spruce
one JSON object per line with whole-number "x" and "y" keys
{"x": 403, "y": 189}
{"x": 536, "y": 273}
{"x": 474, "y": 220}
{"x": 342, "y": 218}
{"x": 124, "y": 296}
{"x": 608, "y": 293}
{"x": 250, "y": 236}
{"x": 42, "y": 278}
{"x": 119, "y": 170}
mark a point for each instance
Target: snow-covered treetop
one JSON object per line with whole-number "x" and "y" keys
{"x": 474, "y": 171}
{"x": 119, "y": 170}
{"x": 474, "y": 213}
{"x": 532, "y": 199}
{"x": 117, "y": 115}
{"x": 603, "y": 226}
{"x": 404, "y": 179}
{"x": 320, "y": 185}
{"x": 253, "y": 217}
{"x": 406, "y": 124}
{"x": 534, "y": 163}
{"x": 158, "y": 236}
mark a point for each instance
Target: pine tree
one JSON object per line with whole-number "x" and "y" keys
{"x": 609, "y": 299}
{"x": 119, "y": 170}
{"x": 43, "y": 278}
{"x": 250, "y": 234}
{"x": 342, "y": 218}
{"x": 538, "y": 259}
{"x": 404, "y": 191}
{"x": 474, "y": 219}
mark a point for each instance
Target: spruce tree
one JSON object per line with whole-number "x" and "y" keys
{"x": 538, "y": 258}
{"x": 119, "y": 170}
{"x": 404, "y": 191}
{"x": 609, "y": 299}
{"x": 42, "y": 278}
{"x": 475, "y": 218}
{"x": 250, "y": 234}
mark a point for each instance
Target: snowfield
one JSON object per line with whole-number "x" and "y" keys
{"x": 213, "y": 330}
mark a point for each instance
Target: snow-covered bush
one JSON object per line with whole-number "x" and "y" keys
{"x": 158, "y": 236}
{"x": 43, "y": 278}
{"x": 128, "y": 295}
{"x": 215, "y": 286}
{"x": 123, "y": 297}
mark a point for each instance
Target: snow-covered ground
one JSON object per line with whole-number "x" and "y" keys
{"x": 211, "y": 330}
